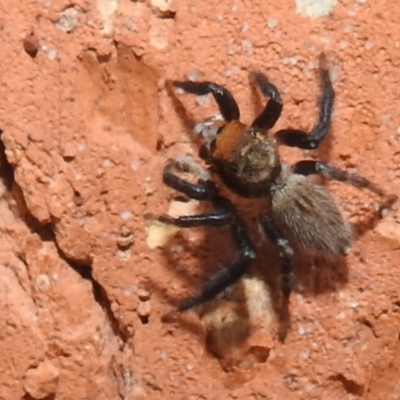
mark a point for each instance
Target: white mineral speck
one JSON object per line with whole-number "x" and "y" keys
{"x": 68, "y": 20}
{"x": 192, "y": 75}
{"x": 304, "y": 354}
{"x": 384, "y": 212}
{"x": 312, "y": 8}
{"x": 385, "y": 118}
{"x": 52, "y": 54}
{"x": 202, "y": 100}
{"x": 230, "y": 49}
{"x": 368, "y": 45}
{"x": 341, "y": 315}
{"x": 271, "y": 22}
{"x": 348, "y": 28}
{"x": 302, "y": 330}
{"x": 245, "y": 27}
{"x": 177, "y": 248}
{"x": 247, "y": 46}
{"x": 300, "y": 298}
{"x": 124, "y": 254}
{"x": 232, "y": 70}
{"x": 354, "y": 304}
{"x": 126, "y": 214}
{"x": 106, "y": 162}
{"x": 42, "y": 282}
{"x": 135, "y": 164}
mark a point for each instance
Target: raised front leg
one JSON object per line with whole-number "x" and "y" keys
{"x": 304, "y": 140}
{"x": 272, "y": 111}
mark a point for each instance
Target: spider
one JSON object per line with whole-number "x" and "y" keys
{"x": 246, "y": 159}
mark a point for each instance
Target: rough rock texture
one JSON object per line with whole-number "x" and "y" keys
{"x": 87, "y": 125}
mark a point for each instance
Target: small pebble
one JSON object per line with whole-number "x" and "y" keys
{"x": 144, "y": 309}
{"x": 143, "y": 294}
{"x": 31, "y": 45}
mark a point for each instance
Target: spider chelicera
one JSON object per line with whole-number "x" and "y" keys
{"x": 302, "y": 213}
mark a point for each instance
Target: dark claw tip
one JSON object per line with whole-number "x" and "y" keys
{"x": 165, "y": 219}
{"x": 149, "y": 217}
{"x": 187, "y": 304}
{"x": 169, "y": 317}
{"x": 256, "y": 76}
{"x": 169, "y": 83}
{"x": 323, "y": 62}
{"x": 178, "y": 84}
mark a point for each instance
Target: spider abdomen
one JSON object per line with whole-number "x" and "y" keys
{"x": 308, "y": 214}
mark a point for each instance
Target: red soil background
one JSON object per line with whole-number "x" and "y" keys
{"x": 87, "y": 126}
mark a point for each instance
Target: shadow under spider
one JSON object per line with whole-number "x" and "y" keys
{"x": 310, "y": 278}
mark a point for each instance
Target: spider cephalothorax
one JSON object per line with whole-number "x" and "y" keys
{"x": 303, "y": 213}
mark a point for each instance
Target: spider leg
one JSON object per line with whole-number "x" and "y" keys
{"x": 285, "y": 254}
{"x": 226, "y": 102}
{"x": 203, "y": 190}
{"x": 308, "y": 167}
{"x": 229, "y": 274}
{"x": 304, "y": 140}
{"x": 272, "y": 111}
{"x": 214, "y": 219}
{"x": 224, "y": 214}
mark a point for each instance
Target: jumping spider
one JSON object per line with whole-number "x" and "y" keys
{"x": 303, "y": 213}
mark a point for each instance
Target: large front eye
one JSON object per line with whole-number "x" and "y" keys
{"x": 252, "y": 133}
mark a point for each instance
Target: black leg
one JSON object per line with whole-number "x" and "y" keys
{"x": 303, "y": 140}
{"x": 285, "y": 253}
{"x": 203, "y": 190}
{"x": 213, "y": 219}
{"x": 226, "y": 276}
{"x": 308, "y": 167}
{"x": 272, "y": 111}
{"x": 225, "y": 214}
{"x": 226, "y": 103}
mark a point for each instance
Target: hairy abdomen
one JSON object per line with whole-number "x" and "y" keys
{"x": 308, "y": 214}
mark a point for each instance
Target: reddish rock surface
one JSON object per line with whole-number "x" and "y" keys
{"x": 87, "y": 126}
